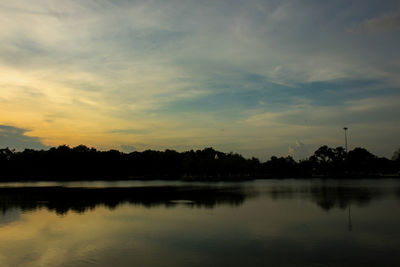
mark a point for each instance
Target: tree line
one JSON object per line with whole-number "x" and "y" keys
{"x": 84, "y": 163}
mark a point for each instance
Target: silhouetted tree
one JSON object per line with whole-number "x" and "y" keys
{"x": 324, "y": 154}
{"x": 82, "y": 162}
{"x": 360, "y": 160}
{"x": 6, "y": 153}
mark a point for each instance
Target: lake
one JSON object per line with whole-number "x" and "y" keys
{"x": 256, "y": 223}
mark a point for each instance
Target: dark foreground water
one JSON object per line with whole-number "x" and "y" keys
{"x": 261, "y": 223}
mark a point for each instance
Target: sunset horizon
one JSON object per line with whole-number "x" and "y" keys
{"x": 259, "y": 78}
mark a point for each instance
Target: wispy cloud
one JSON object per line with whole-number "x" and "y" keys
{"x": 389, "y": 22}
{"x": 173, "y": 73}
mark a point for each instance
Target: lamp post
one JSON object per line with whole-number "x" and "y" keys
{"x": 345, "y": 137}
{"x": 350, "y": 227}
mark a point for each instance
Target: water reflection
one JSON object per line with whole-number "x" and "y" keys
{"x": 265, "y": 223}
{"x": 342, "y": 197}
{"x": 62, "y": 199}
{"x": 328, "y": 197}
{"x": 9, "y": 215}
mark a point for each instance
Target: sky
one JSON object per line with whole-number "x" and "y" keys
{"x": 259, "y": 78}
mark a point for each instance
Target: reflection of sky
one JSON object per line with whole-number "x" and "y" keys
{"x": 9, "y": 216}
{"x": 259, "y": 233}
{"x": 290, "y": 230}
{"x": 248, "y": 76}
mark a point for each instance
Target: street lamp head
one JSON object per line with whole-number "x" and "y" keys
{"x": 345, "y": 128}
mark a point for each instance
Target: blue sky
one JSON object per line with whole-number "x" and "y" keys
{"x": 260, "y": 78}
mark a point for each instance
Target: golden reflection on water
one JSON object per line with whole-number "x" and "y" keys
{"x": 263, "y": 230}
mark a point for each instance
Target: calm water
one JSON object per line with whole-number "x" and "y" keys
{"x": 261, "y": 223}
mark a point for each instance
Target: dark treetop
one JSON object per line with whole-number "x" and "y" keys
{"x": 83, "y": 163}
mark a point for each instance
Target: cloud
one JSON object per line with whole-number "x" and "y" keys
{"x": 103, "y": 72}
{"x": 128, "y": 148}
{"x": 387, "y": 23}
{"x": 129, "y": 131}
{"x": 318, "y": 125}
{"x": 299, "y": 151}
{"x": 14, "y": 137}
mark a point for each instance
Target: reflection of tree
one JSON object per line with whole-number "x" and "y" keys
{"x": 63, "y": 199}
{"x": 327, "y": 197}
{"x": 331, "y": 197}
